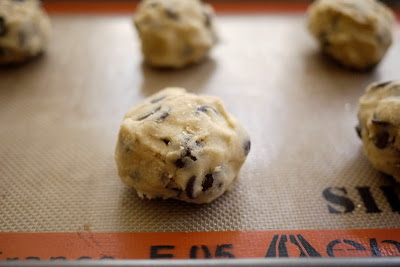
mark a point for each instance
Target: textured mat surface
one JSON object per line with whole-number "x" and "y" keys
{"x": 60, "y": 114}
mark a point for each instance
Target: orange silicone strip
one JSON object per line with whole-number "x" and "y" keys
{"x": 180, "y": 245}
{"x": 64, "y": 6}
{"x": 124, "y": 7}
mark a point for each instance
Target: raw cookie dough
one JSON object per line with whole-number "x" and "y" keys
{"x": 379, "y": 126}
{"x": 356, "y": 33}
{"x": 175, "y": 33}
{"x": 24, "y": 30}
{"x": 182, "y": 146}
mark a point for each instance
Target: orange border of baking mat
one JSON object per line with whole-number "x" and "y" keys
{"x": 181, "y": 245}
{"x": 120, "y": 6}
{"x": 87, "y": 6}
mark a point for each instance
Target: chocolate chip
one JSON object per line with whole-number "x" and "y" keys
{"x": 3, "y": 28}
{"x": 205, "y": 108}
{"x": 188, "y": 153}
{"x": 382, "y": 84}
{"x": 246, "y": 147}
{"x": 171, "y": 13}
{"x": 157, "y": 99}
{"x": 163, "y": 117}
{"x": 190, "y": 187}
{"x": 207, "y": 21}
{"x": 199, "y": 143}
{"x": 220, "y": 185}
{"x": 179, "y": 163}
{"x": 379, "y": 122}
{"x": 151, "y": 113}
{"x": 166, "y": 141}
{"x": 358, "y": 130}
{"x": 207, "y": 182}
{"x": 124, "y": 146}
{"x": 381, "y": 140}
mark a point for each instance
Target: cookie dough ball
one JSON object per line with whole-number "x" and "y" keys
{"x": 24, "y": 30}
{"x": 379, "y": 126}
{"x": 356, "y": 33}
{"x": 175, "y": 33}
{"x": 182, "y": 146}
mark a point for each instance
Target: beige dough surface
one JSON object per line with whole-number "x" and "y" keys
{"x": 379, "y": 129}
{"x": 356, "y": 33}
{"x": 24, "y": 30}
{"x": 180, "y": 145}
{"x": 175, "y": 33}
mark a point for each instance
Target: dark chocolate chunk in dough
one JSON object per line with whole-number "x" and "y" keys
{"x": 157, "y": 99}
{"x": 176, "y": 189}
{"x": 163, "y": 117}
{"x": 379, "y": 122}
{"x": 190, "y": 187}
{"x": 166, "y": 141}
{"x": 381, "y": 140}
{"x": 207, "y": 20}
{"x": 208, "y": 182}
{"x": 358, "y": 130}
{"x": 179, "y": 163}
{"x": 3, "y": 28}
{"x": 205, "y": 108}
{"x": 246, "y": 147}
{"x": 171, "y": 13}
{"x": 151, "y": 113}
{"x": 381, "y": 85}
{"x": 199, "y": 143}
{"x": 188, "y": 153}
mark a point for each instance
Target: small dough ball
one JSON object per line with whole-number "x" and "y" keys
{"x": 24, "y": 30}
{"x": 356, "y": 33}
{"x": 175, "y": 33}
{"x": 379, "y": 126}
{"x": 182, "y": 146}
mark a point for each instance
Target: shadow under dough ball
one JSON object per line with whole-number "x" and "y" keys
{"x": 180, "y": 145}
{"x": 379, "y": 126}
{"x": 24, "y": 30}
{"x": 355, "y": 33}
{"x": 175, "y": 33}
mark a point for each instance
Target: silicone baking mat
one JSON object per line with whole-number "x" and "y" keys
{"x": 306, "y": 188}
